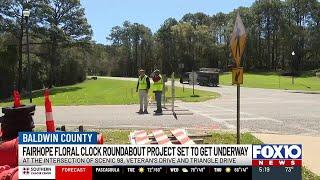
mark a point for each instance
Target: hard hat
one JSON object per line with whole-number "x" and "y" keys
{"x": 156, "y": 71}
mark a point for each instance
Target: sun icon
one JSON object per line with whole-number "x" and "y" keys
{"x": 141, "y": 170}
{"x": 228, "y": 170}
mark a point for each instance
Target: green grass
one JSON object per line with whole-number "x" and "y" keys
{"x": 229, "y": 138}
{"x": 271, "y": 81}
{"x": 308, "y": 175}
{"x": 107, "y": 92}
{"x": 116, "y": 136}
{"x": 186, "y": 95}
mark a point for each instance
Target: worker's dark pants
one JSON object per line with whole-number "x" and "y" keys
{"x": 158, "y": 99}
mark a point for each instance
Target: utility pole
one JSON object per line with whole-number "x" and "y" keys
{"x": 26, "y": 14}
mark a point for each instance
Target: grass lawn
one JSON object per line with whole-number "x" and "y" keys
{"x": 107, "y": 92}
{"x": 271, "y": 81}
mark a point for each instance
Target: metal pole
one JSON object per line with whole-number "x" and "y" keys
{"x": 279, "y": 80}
{"x": 164, "y": 91}
{"x": 172, "y": 91}
{"x": 292, "y": 78}
{"x": 192, "y": 82}
{"x": 292, "y": 70}
{"x": 29, "y": 65}
{"x": 238, "y": 114}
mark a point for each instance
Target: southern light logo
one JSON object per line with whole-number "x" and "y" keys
{"x": 36, "y": 172}
{"x": 277, "y": 155}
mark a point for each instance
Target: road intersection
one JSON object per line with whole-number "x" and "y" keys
{"x": 262, "y": 111}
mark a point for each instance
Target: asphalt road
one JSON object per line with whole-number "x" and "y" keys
{"x": 262, "y": 110}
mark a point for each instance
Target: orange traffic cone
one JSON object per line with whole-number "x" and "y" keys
{"x": 16, "y": 99}
{"x": 49, "y": 118}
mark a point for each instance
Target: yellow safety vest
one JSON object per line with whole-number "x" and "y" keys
{"x": 157, "y": 86}
{"x": 143, "y": 82}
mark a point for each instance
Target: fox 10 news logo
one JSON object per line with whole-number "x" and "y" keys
{"x": 277, "y": 155}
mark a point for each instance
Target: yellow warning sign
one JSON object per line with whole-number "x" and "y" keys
{"x": 237, "y": 75}
{"x": 238, "y": 40}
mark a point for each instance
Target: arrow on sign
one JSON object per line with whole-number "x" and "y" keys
{"x": 238, "y": 40}
{"x": 237, "y": 76}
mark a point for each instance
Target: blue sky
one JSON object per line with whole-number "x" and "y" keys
{"x": 105, "y": 14}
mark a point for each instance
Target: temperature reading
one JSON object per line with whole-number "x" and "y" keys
{"x": 241, "y": 169}
{"x": 289, "y": 169}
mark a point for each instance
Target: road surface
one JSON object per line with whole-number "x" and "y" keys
{"x": 262, "y": 110}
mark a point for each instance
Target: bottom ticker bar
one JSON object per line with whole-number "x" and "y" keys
{"x": 243, "y": 172}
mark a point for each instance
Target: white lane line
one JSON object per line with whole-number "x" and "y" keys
{"x": 222, "y": 108}
{"x": 214, "y": 113}
{"x": 230, "y": 110}
{"x": 249, "y": 119}
{"x": 228, "y": 125}
{"x": 267, "y": 102}
{"x": 250, "y": 114}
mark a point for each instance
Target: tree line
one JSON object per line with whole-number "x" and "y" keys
{"x": 63, "y": 52}
{"x": 61, "y": 46}
{"x": 275, "y": 29}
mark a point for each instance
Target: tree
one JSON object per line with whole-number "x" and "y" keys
{"x": 134, "y": 42}
{"x": 8, "y": 59}
{"x": 196, "y": 19}
{"x": 65, "y": 23}
{"x": 165, "y": 46}
{"x": 12, "y": 20}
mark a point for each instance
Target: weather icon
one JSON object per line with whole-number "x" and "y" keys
{"x": 228, "y": 170}
{"x": 141, "y": 170}
{"x": 185, "y": 170}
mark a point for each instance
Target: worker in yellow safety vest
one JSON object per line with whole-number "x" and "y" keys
{"x": 157, "y": 89}
{"x": 143, "y": 87}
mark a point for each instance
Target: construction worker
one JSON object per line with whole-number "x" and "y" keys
{"x": 143, "y": 87}
{"x": 157, "y": 89}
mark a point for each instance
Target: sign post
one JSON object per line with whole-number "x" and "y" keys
{"x": 193, "y": 80}
{"x": 173, "y": 94}
{"x": 164, "y": 90}
{"x": 238, "y": 44}
{"x": 181, "y": 67}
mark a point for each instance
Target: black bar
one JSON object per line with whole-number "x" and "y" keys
{"x": 218, "y": 172}
{"x": 238, "y": 114}
{"x": 283, "y": 173}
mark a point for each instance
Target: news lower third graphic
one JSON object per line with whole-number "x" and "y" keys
{"x": 66, "y": 155}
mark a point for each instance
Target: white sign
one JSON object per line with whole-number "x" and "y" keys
{"x": 193, "y": 76}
